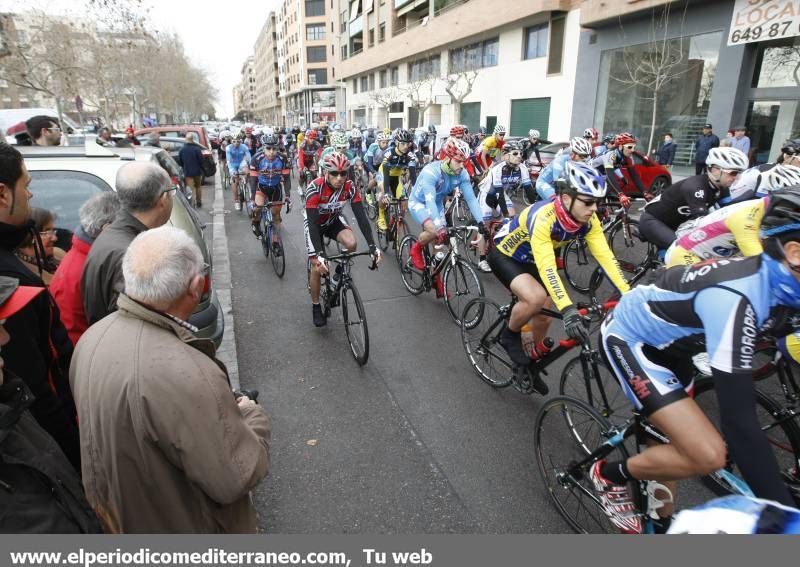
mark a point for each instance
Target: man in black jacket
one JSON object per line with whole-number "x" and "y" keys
{"x": 191, "y": 159}
{"x": 702, "y": 146}
{"x": 40, "y": 349}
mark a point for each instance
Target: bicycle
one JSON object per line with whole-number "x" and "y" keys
{"x": 225, "y": 176}
{"x": 273, "y": 250}
{"x": 342, "y": 291}
{"x": 306, "y": 177}
{"x": 396, "y": 227}
{"x": 242, "y": 191}
{"x": 459, "y": 279}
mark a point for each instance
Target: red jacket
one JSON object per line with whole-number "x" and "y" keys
{"x": 66, "y": 289}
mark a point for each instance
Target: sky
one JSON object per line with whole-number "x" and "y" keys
{"x": 217, "y": 36}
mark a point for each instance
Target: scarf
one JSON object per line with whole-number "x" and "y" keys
{"x": 565, "y": 219}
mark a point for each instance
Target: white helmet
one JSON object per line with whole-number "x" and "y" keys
{"x": 580, "y": 146}
{"x": 585, "y": 180}
{"x": 381, "y": 137}
{"x": 498, "y": 129}
{"x": 727, "y": 158}
{"x": 534, "y": 134}
{"x": 778, "y": 177}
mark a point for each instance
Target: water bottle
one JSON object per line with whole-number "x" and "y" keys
{"x": 528, "y": 342}
{"x": 544, "y": 346}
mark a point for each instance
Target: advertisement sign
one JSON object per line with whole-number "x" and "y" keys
{"x": 763, "y": 20}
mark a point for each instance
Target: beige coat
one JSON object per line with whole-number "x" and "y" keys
{"x": 165, "y": 447}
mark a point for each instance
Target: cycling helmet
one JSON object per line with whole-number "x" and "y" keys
{"x": 791, "y": 147}
{"x": 582, "y": 179}
{"x": 580, "y": 146}
{"x": 783, "y": 212}
{"x": 534, "y": 134}
{"x": 269, "y": 140}
{"x": 311, "y": 135}
{"x": 387, "y": 131}
{"x": 499, "y": 130}
{"x": 355, "y": 133}
{"x": 591, "y": 133}
{"x": 624, "y": 138}
{"x": 482, "y": 131}
{"x": 401, "y": 135}
{"x": 335, "y": 161}
{"x": 381, "y": 137}
{"x": 727, "y": 158}
{"x": 512, "y": 146}
{"x": 339, "y": 140}
{"x": 609, "y": 138}
{"x": 457, "y": 130}
{"x": 455, "y": 148}
{"x": 269, "y": 131}
{"x": 779, "y": 177}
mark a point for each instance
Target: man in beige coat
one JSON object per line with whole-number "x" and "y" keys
{"x": 166, "y": 446}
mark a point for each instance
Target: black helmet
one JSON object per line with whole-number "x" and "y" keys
{"x": 791, "y": 147}
{"x": 403, "y": 136}
{"x": 781, "y": 220}
{"x": 609, "y": 138}
{"x": 482, "y": 130}
{"x": 512, "y": 146}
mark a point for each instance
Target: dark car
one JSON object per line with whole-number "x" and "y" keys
{"x": 173, "y": 146}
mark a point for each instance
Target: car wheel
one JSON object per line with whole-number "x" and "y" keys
{"x": 658, "y": 185}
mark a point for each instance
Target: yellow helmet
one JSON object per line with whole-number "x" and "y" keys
{"x": 387, "y": 131}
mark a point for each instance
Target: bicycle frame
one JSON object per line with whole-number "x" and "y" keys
{"x": 333, "y": 294}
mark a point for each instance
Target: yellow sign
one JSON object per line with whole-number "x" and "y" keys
{"x": 763, "y": 20}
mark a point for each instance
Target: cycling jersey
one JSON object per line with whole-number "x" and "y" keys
{"x": 534, "y": 235}
{"x": 426, "y": 201}
{"x": 747, "y": 184}
{"x": 492, "y": 146}
{"x": 308, "y": 153}
{"x": 274, "y": 165}
{"x": 656, "y": 328}
{"x": 685, "y": 200}
{"x": 613, "y": 162}
{"x": 529, "y": 149}
{"x": 487, "y": 152}
{"x": 395, "y": 162}
{"x": 546, "y": 182}
{"x": 790, "y": 347}
{"x": 720, "y": 234}
{"x": 236, "y": 156}
{"x": 324, "y": 206}
{"x": 495, "y": 186}
{"x": 374, "y": 156}
{"x": 737, "y": 515}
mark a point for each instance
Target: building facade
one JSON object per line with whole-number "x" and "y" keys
{"x": 247, "y": 86}
{"x": 18, "y": 29}
{"x": 720, "y": 63}
{"x": 267, "y": 88}
{"x": 419, "y": 62}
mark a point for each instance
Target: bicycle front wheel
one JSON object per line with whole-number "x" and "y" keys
{"x": 461, "y": 284}
{"x": 355, "y": 323}
{"x": 606, "y": 396}
{"x": 401, "y": 231}
{"x": 413, "y": 279}
{"x": 579, "y": 264}
{"x": 489, "y": 360}
{"x": 277, "y": 256}
{"x": 631, "y": 251}
{"x": 566, "y": 432}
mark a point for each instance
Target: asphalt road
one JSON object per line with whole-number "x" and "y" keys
{"x": 413, "y": 442}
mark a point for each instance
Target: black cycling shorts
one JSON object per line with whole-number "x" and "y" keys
{"x": 506, "y": 269}
{"x": 271, "y": 193}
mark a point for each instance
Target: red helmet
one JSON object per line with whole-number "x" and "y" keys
{"x": 624, "y": 138}
{"x": 455, "y": 148}
{"x": 311, "y": 135}
{"x": 335, "y": 161}
{"x": 457, "y": 130}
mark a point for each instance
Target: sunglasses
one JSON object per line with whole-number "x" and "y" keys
{"x": 338, "y": 173}
{"x": 55, "y": 129}
{"x": 48, "y": 233}
{"x": 515, "y": 153}
{"x": 731, "y": 172}
{"x": 587, "y": 202}
{"x": 630, "y": 146}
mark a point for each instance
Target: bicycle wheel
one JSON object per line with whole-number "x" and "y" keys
{"x": 631, "y": 251}
{"x": 618, "y": 409}
{"x": 779, "y": 424}
{"x": 371, "y": 205}
{"x": 265, "y": 237}
{"x": 461, "y": 284}
{"x": 355, "y": 323}
{"x": 401, "y": 231}
{"x": 470, "y": 249}
{"x": 413, "y": 279}
{"x": 489, "y": 360}
{"x": 579, "y": 264}
{"x": 243, "y": 195}
{"x": 566, "y": 431}
{"x": 278, "y": 257}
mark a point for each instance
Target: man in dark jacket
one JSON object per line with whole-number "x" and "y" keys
{"x": 40, "y": 350}
{"x": 666, "y": 153}
{"x": 702, "y": 145}
{"x": 191, "y": 159}
{"x": 145, "y": 194}
{"x": 40, "y": 491}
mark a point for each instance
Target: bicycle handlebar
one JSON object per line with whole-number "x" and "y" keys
{"x": 599, "y": 308}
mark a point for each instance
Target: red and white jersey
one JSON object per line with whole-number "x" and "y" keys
{"x": 328, "y": 201}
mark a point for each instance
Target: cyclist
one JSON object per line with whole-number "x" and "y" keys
{"x": 617, "y": 158}
{"x": 437, "y": 180}
{"x": 731, "y": 230}
{"x": 322, "y": 217}
{"x": 340, "y": 143}
{"x": 494, "y": 188}
{"x": 579, "y": 151}
{"x": 649, "y": 339}
{"x": 531, "y": 145}
{"x": 737, "y": 515}
{"x": 692, "y": 197}
{"x": 238, "y": 156}
{"x": 373, "y": 158}
{"x": 478, "y": 138}
{"x": 269, "y": 164}
{"x": 524, "y": 256}
{"x": 746, "y": 185}
{"x": 593, "y": 135}
{"x": 308, "y": 157}
{"x": 356, "y": 142}
{"x": 490, "y": 149}
{"x": 422, "y": 141}
{"x": 222, "y": 156}
{"x": 458, "y": 132}
{"x": 399, "y": 157}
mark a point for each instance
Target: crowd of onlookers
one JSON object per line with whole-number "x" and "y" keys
{"x": 114, "y": 415}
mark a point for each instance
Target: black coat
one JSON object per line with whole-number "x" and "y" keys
{"x": 191, "y": 158}
{"x": 40, "y": 351}
{"x": 666, "y": 153}
{"x": 702, "y": 146}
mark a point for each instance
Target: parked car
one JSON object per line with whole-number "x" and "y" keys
{"x": 63, "y": 178}
{"x": 178, "y": 131}
{"x": 173, "y": 146}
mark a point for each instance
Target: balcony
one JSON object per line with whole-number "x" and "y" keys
{"x": 599, "y": 12}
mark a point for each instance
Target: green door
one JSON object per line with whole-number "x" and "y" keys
{"x": 491, "y": 122}
{"x": 527, "y": 113}
{"x": 471, "y": 115}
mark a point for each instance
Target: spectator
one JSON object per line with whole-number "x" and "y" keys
{"x": 174, "y": 451}
{"x": 44, "y": 130}
{"x": 702, "y": 145}
{"x": 50, "y": 255}
{"x": 666, "y": 153}
{"x": 104, "y": 137}
{"x": 740, "y": 141}
{"x": 39, "y": 351}
{"x": 145, "y": 194}
{"x": 191, "y": 159}
{"x": 130, "y": 136}
{"x": 29, "y": 456}
{"x": 95, "y": 215}
{"x": 727, "y": 140}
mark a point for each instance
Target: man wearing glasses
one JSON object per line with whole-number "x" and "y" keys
{"x": 44, "y": 130}
{"x": 579, "y": 151}
{"x": 621, "y": 155}
{"x": 692, "y": 197}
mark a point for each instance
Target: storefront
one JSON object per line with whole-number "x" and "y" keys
{"x": 633, "y": 75}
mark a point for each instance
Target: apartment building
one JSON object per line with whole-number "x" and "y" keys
{"x": 727, "y": 63}
{"x": 267, "y": 87}
{"x": 306, "y": 73}
{"x": 247, "y": 89}
{"x": 419, "y": 62}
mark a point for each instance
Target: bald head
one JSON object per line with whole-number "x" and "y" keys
{"x": 140, "y": 184}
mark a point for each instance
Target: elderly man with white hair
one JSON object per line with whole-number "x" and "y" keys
{"x": 166, "y": 445}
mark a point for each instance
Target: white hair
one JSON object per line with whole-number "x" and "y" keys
{"x": 159, "y": 265}
{"x": 98, "y": 211}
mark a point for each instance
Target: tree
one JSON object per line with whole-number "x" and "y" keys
{"x": 385, "y": 98}
{"x": 459, "y": 85}
{"x": 653, "y": 66}
{"x": 418, "y": 90}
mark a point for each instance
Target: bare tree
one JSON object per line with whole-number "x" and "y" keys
{"x": 386, "y": 97}
{"x": 655, "y": 65}
{"x": 459, "y": 85}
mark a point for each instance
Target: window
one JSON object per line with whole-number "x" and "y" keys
{"x": 475, "y": 56}
{"x": 364, "y": 85}
{"x": 355, "y": 86}
{"x": 394, "y": 76}
{"x": 777, "y": 63}
{"x": 435, "y": 63}
{"x": 490, "y": 51}
{"x": 556, "y": 45}
{"x": 382, "y": 32}
{"x": 383, "y": 78}
{"x": 419, "y": 70}
{"x": 396, "y": 107}
{"x": 535, "y": 42}
{"x": 316, "y": 54}
{"x": 315, "y": 8}
{"x": 317, "y": 76}
{"x": 315, "y": 32}
{"x": 344, "y": 52}
{"x": 372, "y": 81}
{"x": 64, "y": 192}
{"x": 371, "y": 38}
